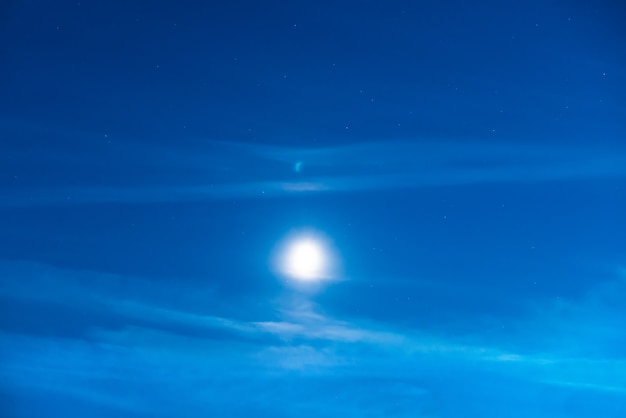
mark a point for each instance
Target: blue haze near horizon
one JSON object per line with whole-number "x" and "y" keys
{"x": 465, "y": 162}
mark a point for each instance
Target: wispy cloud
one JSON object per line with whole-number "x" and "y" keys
{"x": 183, "y": 351}
{"x": 204, "y": 170}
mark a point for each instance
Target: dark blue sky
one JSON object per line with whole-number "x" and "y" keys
{"x": 463, "y": 165}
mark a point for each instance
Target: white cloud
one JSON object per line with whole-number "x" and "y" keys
{"x": 177, "y": 341}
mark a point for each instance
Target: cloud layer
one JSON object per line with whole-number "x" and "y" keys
{"x": 131, "y": 347}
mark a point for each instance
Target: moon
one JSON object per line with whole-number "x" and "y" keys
{"x": 305, "y": 257}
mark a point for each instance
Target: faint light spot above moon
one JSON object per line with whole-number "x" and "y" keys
{"x": 305, "y": 257}
{"x": 297, "y": 167}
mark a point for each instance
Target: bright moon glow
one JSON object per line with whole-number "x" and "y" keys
{"x": 305, "y": 257}
{"x": 305, "y": 260}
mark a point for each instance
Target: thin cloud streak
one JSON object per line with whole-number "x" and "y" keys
{"x": 354, "y": 168}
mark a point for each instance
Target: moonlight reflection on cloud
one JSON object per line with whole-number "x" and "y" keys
{"x": 305, "y": 257}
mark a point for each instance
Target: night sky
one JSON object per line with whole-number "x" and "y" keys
{"x": 312, "y": 209}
